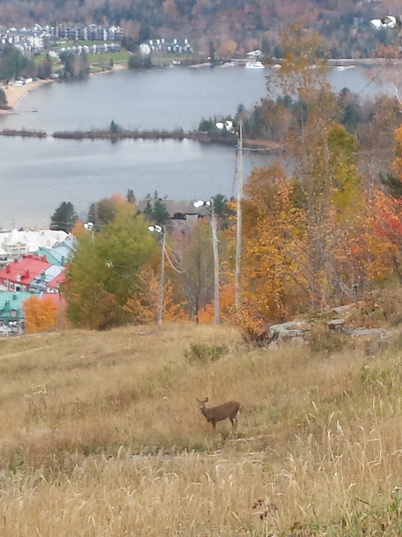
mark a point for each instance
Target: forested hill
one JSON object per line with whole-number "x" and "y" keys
{"x": 243, "y": 24}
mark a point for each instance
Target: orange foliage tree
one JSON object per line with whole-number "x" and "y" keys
{"x": 397, "y": 164}
{"x": 290, "y": 267}
{"x": 40, "y": 314}
{"x": 386, "y": 223}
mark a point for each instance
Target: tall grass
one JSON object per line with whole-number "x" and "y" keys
{"x": 101, "y": 436}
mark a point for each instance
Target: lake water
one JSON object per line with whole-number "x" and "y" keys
{"x": 37, "y": 175}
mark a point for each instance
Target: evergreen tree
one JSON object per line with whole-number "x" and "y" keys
{"x": 45, "y": 68}
{"x": 393, "y": 183}
{"x": 12, "y": 63}
{"x": 64, "y": 217}
{"x": 131, "y": 196}
{"x": 157, "y": 213}
{"x": 3, "y": 99}
{"x": 160, "y": 213}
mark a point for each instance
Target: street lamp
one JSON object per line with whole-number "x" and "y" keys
{"x": 211, "y": 206}
{"x": 228, "y": 126}
{"x": 159, "y": 229}
{"x": 390, "y": 22}
{"x": 90, "y": 227}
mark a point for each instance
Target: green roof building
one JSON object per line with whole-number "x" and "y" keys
{"x": 11, "y": 310}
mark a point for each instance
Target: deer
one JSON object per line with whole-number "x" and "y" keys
{"x": 221, "y": 412}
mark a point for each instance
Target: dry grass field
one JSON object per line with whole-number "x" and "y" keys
{"x": 101, "y": 436}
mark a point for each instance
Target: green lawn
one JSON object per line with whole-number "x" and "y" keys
{"x": 95, "y": 60}
{"x": 106, "y": 57}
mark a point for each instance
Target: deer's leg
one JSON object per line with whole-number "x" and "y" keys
{"x": 213, "y": 423}
{"x": 234, "y": 424}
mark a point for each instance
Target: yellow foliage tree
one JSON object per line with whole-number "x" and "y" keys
{"x": 226, "y": 49}
{"x": 273, "y": 278}
{"x": 145, "y": 302}
{"x": 40, "y": 314}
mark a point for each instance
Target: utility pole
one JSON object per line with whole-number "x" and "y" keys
{"x": 162, "y": 279}
{"x": 239, "y": 216}
{"x": 216, "y": 262}
{"x": 161, "y": 231}
{"x": 210, "y": 205}
{"x": 228, "y": 126}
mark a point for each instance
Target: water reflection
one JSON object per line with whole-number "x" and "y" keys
{"x": 37, "y": 175}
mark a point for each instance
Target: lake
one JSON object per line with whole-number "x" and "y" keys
{"x": 36, "y": 175}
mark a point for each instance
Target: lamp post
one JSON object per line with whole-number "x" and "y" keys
{"x": 159, "y": 229}
{"x": 211, "y": 206}
{"x": 90, "y": 227}
{"x": 389, "y": 22}
{"x": 228, "y": 126}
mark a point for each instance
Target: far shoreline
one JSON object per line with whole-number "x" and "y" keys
{"x": 14, "y": 94}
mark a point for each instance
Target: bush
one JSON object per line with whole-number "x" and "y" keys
{"x": 381, "y": 308}
{"x": 199, "y": 352}
{"x": 252, "y": 328}
{"x": 322, "y": 339}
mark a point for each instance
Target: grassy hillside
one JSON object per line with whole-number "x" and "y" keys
{"x": 101, "y": 436}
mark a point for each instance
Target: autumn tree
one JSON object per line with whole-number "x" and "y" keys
{"x": 274, "y": 235}
{"x": 144, "y": 305}
{"x": 397, "y": 163}
{"x": 386, "y": 223}
{"x": 198, "y": 272}
{"x": 324, "y": 155}
{"x": 40, "y": 314}
{"x": 226, "y": 49}
{"x": 389, "y": 208}
{"x": 103, "y": 212}
{"x": 376, "y": 133}
{"x": 309, "y": 238}
{"x": 104, "y": 272}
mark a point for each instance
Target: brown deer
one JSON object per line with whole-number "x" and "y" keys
{"x": 221, "y": 412}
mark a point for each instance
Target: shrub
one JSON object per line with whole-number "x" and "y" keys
{"x": 251, "y": 327}
{"x": 199, "y": 352}
{"x": 322, "y": 339}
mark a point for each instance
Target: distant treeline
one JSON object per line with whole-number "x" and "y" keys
{"x": 23, "y": 133}
{"x": 267, "y": 126}
{"x": 274, "y": 120}
{"x": 120, "y": 134}
{"x": 215, "y": 28}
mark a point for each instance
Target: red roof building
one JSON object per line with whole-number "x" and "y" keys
{"x": 56, "y": 298}
{"x": 55, "y": 282}
{"x": 18, "y": 275}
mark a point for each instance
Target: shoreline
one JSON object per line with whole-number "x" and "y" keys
{"x": 250, "y": 144}
{"x": 14, "y": 94}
